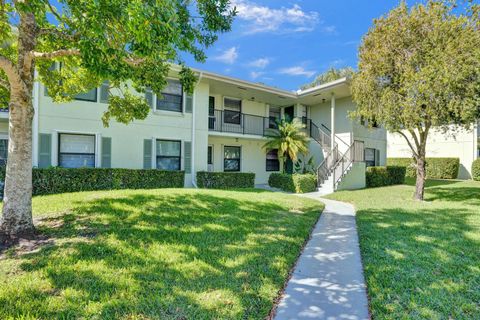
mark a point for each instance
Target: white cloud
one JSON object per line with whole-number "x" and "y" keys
{"x": 259, "y": 63}
{"x": 229, "y": 56}
{"x": 265, "y": 19}
{"x": 256, "y": 74}
{"x": 297, "y": 71}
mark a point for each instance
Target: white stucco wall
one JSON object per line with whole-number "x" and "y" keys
{"x": 354, "y": 179}
{"x": 457, "y": 143}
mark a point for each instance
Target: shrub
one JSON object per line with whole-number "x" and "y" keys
{"x": 59, "y": 180}
{"x": 384, "y": 176}
{"x": 476, "y": 170}
{"x": 298, "y": 183}
{"x": 437, "y": 168}
{"x": 225, "y": 180}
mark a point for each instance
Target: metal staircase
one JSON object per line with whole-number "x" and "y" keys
{"x": 336, "y": 165}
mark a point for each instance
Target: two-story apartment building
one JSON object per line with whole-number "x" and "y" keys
{"x": 221, "y": 127}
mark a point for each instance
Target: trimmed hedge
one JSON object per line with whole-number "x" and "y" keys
{"x": 225, "y": 180}
{"x": 384, "y": 176}
{"x": 437, "y": 168}
{"x": 59, "y": 180}
{"x": 297, "y": 183}
{"x": 476, "y": 170}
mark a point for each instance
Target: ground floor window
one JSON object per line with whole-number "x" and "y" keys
{"x": 272, "y": 162}
{"x": 231, "y": 162}
{"x": 372, "y": 157}
{"x": 210, "y": 155}
{"x": 168, "y": 155}
{"x": 3, "y": 151}
{"x": 76, "y": 150}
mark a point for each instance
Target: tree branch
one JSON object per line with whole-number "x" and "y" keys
{"x": 11, "y": 72}
{"x": 415, "y": 153}
{"x": 55, "y": 54}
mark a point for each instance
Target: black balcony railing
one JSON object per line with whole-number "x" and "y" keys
{"x": 242, "y": 123}
{"x": 236, "y": 122}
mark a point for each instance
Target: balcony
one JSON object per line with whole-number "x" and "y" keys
{"x": 242, "y": 123}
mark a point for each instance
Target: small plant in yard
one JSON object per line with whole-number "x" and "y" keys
{"x": 290, "y": 140}
{"x": 305, "y": 166}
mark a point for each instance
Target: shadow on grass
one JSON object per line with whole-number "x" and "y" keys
{"x": 172, "y": 257}
{"x": 423, "y": 262}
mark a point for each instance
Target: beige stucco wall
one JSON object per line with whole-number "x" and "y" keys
{"x": 347, "y": 129}
{"x": 253, "y": 156}
{"x": 458, "y": 143}
{"x": 354, "y": 179}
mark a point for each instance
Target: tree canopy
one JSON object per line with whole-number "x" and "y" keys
{"x": 115, "y": 40}
{"x": 420, "y": 68}
{"x": 331, "y": 74}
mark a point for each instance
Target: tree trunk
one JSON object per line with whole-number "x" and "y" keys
{"x": 17, "y": 203}
{"x": 421, "y": 176}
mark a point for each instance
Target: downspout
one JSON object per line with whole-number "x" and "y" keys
{"x": 194, "y": 103}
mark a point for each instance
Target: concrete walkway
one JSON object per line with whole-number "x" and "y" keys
{"x": 328, "y": 282}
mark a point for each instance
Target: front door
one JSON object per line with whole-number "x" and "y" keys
{"x": 289, "y": 113}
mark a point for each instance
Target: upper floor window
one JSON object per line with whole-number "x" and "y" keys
{"x": 76, "y": 150}
{"x": 171, "y": 98}
{"x": 274, "y": 115}
{"x": 232, "y": 110}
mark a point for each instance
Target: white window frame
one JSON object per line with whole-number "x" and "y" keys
{"x": 55, "y": 145}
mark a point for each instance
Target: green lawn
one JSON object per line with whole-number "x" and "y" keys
{"x": 157, "y": 254}
{"x": 421, "y": 260}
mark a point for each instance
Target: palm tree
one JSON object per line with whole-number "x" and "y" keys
{"x": 290, "y": 140}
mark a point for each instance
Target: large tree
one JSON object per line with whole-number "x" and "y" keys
{"x": 419, "y": 69}
{"x": 331, "y": 74}
{"x": 93, "y": 41}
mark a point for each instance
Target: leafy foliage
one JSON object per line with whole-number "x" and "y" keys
{"x": 305, "y": 165}
{"x": 59, "y": 180}
{"x": 116, "y": 40}
{"x": 436, "y": 168}
{"x": 297, "y": 183}
{"x": 225, "y": 180}
{"x": 384, "y": 176}
{"x": 427, "y": 73}
{"x": 419, "y": 69}
{"x": 330, "y": 75}
{"x": 476, "y": 170}
{"x": 289, "y": 138}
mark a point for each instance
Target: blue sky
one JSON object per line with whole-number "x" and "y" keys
{"x": 286, "y": 43}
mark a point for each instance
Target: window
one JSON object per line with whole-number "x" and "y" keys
{"x": 231, "y": 161}
{"x": 3, "y": 151}
{"x": 76, "y": 150}
{"x": 210, "y": 155}
{"x": 87, "y": 96}
{"x": 233, "y": 110}
{"x": 370, "y": 157}
{"x": 171, "y": 98}
{"x": 168, "y": 155}
{"x": 211, "y": 112}
{"x": 272, "y": 160}
{"x": 274, "y": 115}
